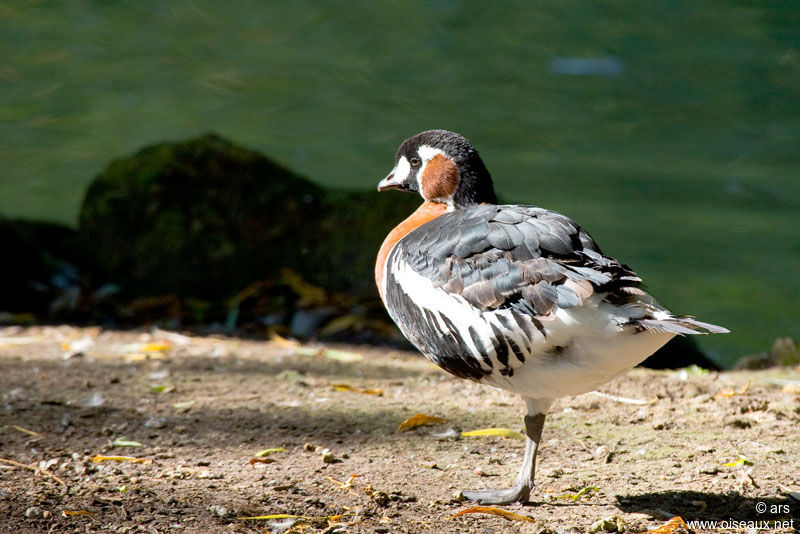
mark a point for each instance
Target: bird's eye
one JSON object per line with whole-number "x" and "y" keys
{"x": 415, "y": 162}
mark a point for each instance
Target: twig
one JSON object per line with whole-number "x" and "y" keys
{"x": 625, "y": 400}
{"x": 35, "y": 470}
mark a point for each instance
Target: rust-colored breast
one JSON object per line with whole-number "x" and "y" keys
{"x": 426, "y": 212}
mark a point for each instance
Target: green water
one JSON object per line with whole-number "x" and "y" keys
{"x": 685, "y": 164}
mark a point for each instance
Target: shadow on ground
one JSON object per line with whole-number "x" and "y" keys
{"x": 704, "y": 506}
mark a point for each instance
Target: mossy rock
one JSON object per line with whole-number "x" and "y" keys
{"x": 204, "y": 218}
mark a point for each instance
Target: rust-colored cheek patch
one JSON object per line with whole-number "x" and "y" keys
{"x": 440, "y": 178}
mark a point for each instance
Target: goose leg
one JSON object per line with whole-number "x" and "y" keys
{"x": 521, "y": 490}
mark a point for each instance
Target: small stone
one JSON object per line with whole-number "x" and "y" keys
{"x": 608, "y": 524}
{"x": 33, "y": 511}
{"x": 741, "y": 423}
{"x": 708, "y": 470}
{"x": 327, "y": 456}
{"x": 381, "y": 498}
{"x": 95, "y": 400}
{"x": 600, "y": 453}
{"x": 155, "y": 422}
{"x": 309, "y": 447}
{"x": 458, "y": 496}
{"x": 218, "y": 509}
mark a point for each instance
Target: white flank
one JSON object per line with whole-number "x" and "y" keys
{"x": 440, "y": 302}
{"x": 597, "y": 347}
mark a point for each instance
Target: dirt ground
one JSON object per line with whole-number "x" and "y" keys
{"x": 702, "y": 446}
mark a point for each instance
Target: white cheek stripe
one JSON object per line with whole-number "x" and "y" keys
{"x": 401, "y": 170}
{"x": 428, "y": 152}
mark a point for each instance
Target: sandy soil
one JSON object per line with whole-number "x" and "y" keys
{"x": 201, "y": 407}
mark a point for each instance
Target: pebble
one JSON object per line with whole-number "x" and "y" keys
{"x": 218, "y": 509}
{"x": 33, "y": 511}
{"x": 327, "y": 456}
{"x": 608, "y": 524}
{"x": 95, "y": 400}
{"x": 381, "y": 498}
{"x": 155, "y": 422}
{"x": 709, "y": 469}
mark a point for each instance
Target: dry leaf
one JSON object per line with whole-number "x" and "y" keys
{"x": 343, "y": 485}
{"x": 98, "y": 459}
{"x": 505, "y": 514}
{"x": 581, "y": 493}
{"x": 67, "y": 513}
{"x": 16, "y": 341}
{"x": 274, "y": 516}
{"x": 183, "y": 406}
{"x": 25, "y": 430}
{"x": 729, "y": 392}
{"x": 673, "y": 526}
{"x": 308, "y": 293}
{"x": 331, "y": 354}
{"x": 125, "y": 442}
{"x": 281, "y": 341}
{"x": 162, "y": 388}
{"x": 157, "y": 346}
{"x": 78, "y": 346}
{"x": 254, "y": 461}
{"x": 341, "y": 324}
{"x": 133, "y": 357}
{"x": 624, "y": 400}
{"x": 502, "y": 432}
{"x": 342, "y": 355}
{"x": 356, "y": 389}
{"x": 419, "y": 420}
{"x": 267, "y": 452}
{"x": 741, "y": 461}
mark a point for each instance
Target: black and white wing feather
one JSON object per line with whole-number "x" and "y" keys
{"x": 483, "y": 289}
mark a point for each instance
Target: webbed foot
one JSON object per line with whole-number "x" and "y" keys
{"x": 517, "y": 493}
